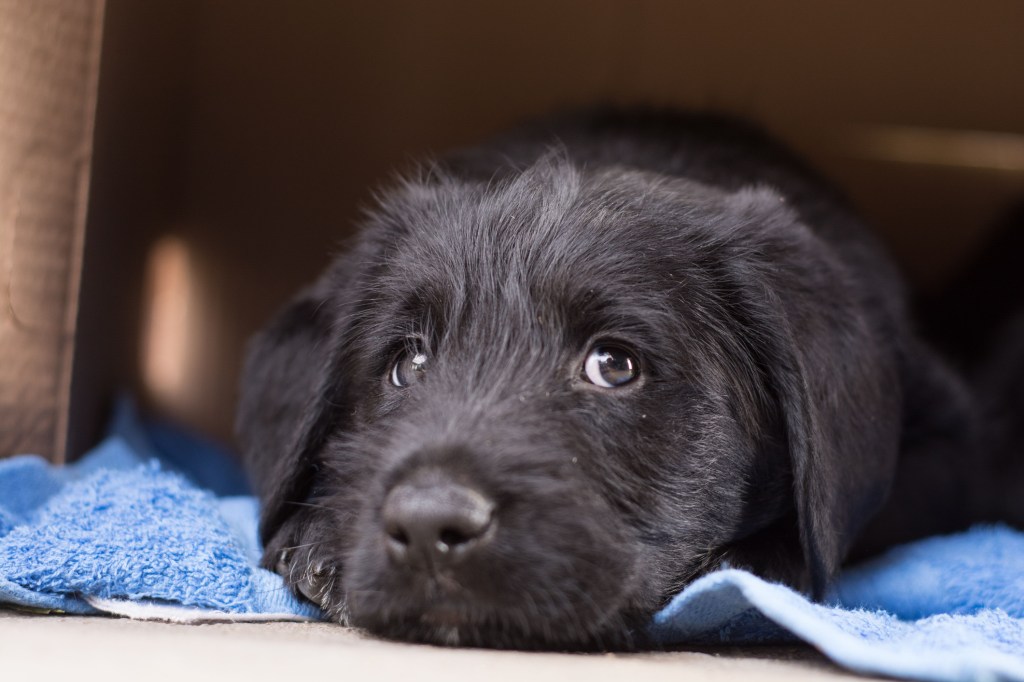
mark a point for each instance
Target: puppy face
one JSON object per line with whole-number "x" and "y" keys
{"x": 524, "y": 413}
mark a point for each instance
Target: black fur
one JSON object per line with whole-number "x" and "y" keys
{"x": 781, "y": 385}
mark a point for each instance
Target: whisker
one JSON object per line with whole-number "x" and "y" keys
{"x": 308, "y": 544}
{"x": 311, "y": 505}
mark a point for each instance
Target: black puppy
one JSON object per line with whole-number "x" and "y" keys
{"x": 559, "y": 377}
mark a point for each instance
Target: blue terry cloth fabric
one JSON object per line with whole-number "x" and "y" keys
{"x": 151, "y": 525}
{"x": 126, "y": 530}
{"x": 945, "y": 608}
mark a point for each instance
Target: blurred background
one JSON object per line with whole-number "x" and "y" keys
{"x": 197, "y": 161}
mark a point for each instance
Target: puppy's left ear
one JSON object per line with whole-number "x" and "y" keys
{"x": 827, "y": 319}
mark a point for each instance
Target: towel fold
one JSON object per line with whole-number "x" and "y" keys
{"x": 980, "y": 638}
{"x": 156, "y": 524}
{"x": 128, "y": 527}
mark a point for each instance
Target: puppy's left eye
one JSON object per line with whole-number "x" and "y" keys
{"x": 610, "y": 366}
{"x": 408, "y": 368}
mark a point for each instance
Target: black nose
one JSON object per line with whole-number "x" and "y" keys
{"x": 435, "y": 523}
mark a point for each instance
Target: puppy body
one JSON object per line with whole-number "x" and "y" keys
{"x": 780, "y": 393}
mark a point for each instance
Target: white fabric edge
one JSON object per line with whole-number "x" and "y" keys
{"x": 169, "y": 613}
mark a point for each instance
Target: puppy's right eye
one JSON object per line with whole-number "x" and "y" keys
{"x": 610, "y": 366}
{"x": 408, "y": 368}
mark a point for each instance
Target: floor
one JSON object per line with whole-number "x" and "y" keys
{"x": 96, "y": 648}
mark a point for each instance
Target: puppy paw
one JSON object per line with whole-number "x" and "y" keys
{"x": 306, "y": 575}
{"x": 298, "y": 557}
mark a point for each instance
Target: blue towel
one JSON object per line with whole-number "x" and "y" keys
{"x": 148, "y": 524}
{"x": 154, "y": 523}
{"x": 946, "y": 608}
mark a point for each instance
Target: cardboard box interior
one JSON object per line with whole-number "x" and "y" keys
{"x": 235, "y": 140}
{"x": 49, "y": 60}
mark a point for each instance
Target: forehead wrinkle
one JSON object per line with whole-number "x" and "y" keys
{"x": 630, "y": 311}
{"x": 549, "y": 217}
{"x": 507, "y": 252}
{"x": 497, "y": 235}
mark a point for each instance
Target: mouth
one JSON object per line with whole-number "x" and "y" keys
{"x": 448, "y": 626}
{"x": 445, "y": 617}
{"x": 534, "y": 573}
{"x": 452, "y": 623}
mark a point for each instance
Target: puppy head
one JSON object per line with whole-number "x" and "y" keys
{"x": 525, "y": 413}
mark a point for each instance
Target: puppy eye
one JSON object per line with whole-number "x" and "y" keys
{"x": 408, "y": 368}
{"x": 610, "y": 367}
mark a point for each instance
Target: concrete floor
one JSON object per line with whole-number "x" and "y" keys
{"x": 96, "y": 648}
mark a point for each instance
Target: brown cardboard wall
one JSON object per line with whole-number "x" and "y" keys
{"x": 249, "y": 132}
{"x": 48, "y": 67}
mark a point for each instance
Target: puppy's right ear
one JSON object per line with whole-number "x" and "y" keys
{"x": 284, "y": 366}
{"x": 293, "y": 391}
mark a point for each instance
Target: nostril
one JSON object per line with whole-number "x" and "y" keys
{"x": 398, "y": 535}
{"x": 453, "y": 537}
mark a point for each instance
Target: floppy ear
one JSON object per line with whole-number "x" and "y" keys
{"x": 281, "y": 380}
{"x": 293, "y": 391}
{"x": 828, "y": 327}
